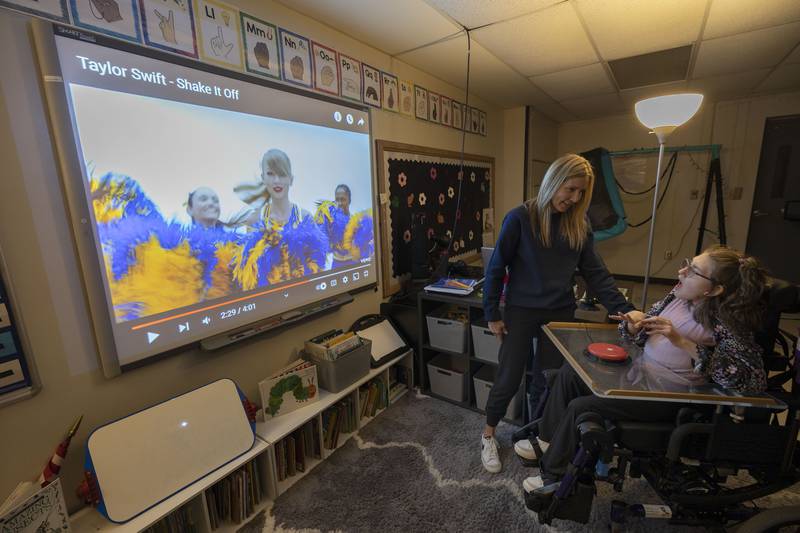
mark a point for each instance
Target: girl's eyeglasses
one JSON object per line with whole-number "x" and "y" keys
{"x": 687, "y": 264}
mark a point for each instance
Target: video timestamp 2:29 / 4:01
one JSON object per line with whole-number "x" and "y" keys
{"x": 233, "y": 311}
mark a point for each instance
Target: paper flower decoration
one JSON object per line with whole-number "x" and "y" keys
{"x": 451, "y": 192}
{"x": 422, "y": 198}
{"x": 441, "y": 198}
{"x": 433, "y": 173}
{"x": 407, "y": 235}
{"x": 472, "y": 177}
{"x": 402, "y": 179}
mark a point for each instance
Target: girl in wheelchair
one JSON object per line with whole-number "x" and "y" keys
{"x": 702, "y": 330}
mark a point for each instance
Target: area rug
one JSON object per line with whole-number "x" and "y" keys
{"x": 417, "y": 468}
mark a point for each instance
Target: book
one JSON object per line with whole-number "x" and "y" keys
{"x": 458, "y": 286}
{"x": 332, "y": 344}
{"x": 43, "y": 510}
{"x": 290, "y": 389}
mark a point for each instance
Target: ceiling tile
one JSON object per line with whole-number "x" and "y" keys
{"x": 446, "y": 60}
{"x": 783, "y": 78}
{"x": 623, "y": 28}
{"x": 556, "y": 112}
{"x": 490, "y": 78}
{"x": 728, "y": 85}
{"x": 746, "y": 51}
{"x": 475, "y": 13}
{"x": 546, "y": 41}
{"x": 727, "y": 17}
{"x": 631, "y": 96}
{"x": 575, "y": 83}
{"x": 596, "y": 106}
{"x": 387, "y": 30}
{"x": 794, "y": 57}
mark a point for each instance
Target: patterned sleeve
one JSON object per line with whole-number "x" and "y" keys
{"x": 735, "y": 363}
{"x": 641, "y": 337}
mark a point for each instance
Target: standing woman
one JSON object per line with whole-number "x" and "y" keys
{"x": 542, "y": 243}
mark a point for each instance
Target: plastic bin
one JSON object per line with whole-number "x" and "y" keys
{"x": 487, "y": 346}
{"x": 446, "y": 333}
{"x": 483, "y": 381}
{"x": 446, "y": 376}
{"x": 337, "y": 375}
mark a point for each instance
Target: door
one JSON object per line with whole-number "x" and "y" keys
{"x": 774, "y": 235}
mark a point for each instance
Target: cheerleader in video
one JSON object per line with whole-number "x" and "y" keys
{"x": 212, "y": 242}
{"x": 350, "y": 236}
{"x": 284, "y": 243}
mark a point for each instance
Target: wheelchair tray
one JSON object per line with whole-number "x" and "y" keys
{"x": 639, "y": 380}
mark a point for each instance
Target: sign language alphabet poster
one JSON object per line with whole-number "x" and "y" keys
{"x": 117, "y": 18}
{"x": 390, "y": 96}
{"x": 421, "y": 99}
{"x": 261, "y": 47}
{"x": 52, "y": 9}
{"x": 407, "y": 98}
{"x": 372, "y": 85}
{"x": 350, "y": 73}
{"x": 169, "y": 25}
{"x": 296, "y": 58}
{"x": 219, "y": 34}
{"x": 326, "y": 71}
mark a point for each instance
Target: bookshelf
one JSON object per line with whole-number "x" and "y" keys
{"x": 278, "y": 429}
{"x": 192, "y": 500}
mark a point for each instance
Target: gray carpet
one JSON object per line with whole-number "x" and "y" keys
{"x": 417, "y": 467}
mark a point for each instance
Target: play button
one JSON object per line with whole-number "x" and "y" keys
{"x": 152, "y": 336}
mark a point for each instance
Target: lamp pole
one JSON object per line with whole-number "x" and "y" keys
{"x": 663, "y": 114}
{"x": 652, "y": 224}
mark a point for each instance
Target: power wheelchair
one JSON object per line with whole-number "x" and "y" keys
{"x": 692, "y": 464}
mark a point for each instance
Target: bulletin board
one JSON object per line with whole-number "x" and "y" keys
{"x": 416, "y": 179}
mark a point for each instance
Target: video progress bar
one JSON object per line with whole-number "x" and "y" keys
{"x": 243, "y": 298}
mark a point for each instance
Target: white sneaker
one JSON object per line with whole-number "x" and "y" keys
{"x": 489, "y": 455}
{"x": 532, "y": 483}
{"x": 524, "y": 449}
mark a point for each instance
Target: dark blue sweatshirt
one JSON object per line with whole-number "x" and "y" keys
{"x": 540, "y": 277}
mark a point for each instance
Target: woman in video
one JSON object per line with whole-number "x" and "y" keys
{"x": 202, "y": 206}
{"x": 350, "y": 235}
{"x": 212, "y": 242}
{"x": 701, "y": 331}
{"x": 284, "y": 243}
{"x": 541, "y": 243}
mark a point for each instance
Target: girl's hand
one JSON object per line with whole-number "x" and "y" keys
{"x": 498, "y": 328}
{"x": 633, "y": 318}
{"x": 662, "y": 326}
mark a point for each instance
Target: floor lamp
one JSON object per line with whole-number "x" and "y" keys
{"x": 663, "y": 114}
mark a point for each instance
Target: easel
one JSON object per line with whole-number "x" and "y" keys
{"x": 713, "y": 179}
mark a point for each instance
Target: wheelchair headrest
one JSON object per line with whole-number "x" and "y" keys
{"x": 780, "y": 297}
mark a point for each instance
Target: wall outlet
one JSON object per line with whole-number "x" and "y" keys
{"x": 668, "y": 255}
{"x": 736, "y": 194}
{"x": 694, "y": 194}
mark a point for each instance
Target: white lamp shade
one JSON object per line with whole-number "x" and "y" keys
{"x": 668, "y": 111}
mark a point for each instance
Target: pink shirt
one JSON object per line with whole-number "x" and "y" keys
{"x": 660, "y": 352}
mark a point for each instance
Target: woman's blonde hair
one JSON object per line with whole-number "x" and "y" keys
{"x": 574, "y": 227}
{"x": 277, "y": 161}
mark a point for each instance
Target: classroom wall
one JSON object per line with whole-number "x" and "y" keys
{"x": 542, "y": 148}
{"x": 737, "y": 125}
{"x": 38, "y": 245}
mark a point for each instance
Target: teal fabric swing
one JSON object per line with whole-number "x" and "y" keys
{"x": 606, "y": 212}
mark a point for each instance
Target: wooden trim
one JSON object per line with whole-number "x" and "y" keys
{"x": 579, "y": 325}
